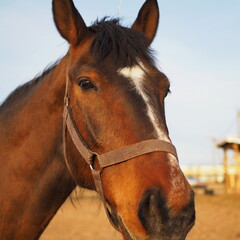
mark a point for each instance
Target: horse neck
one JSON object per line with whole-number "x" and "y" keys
{"x": 34, "y": 180}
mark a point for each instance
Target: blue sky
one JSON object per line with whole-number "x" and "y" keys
{"x": 197, "y": 48}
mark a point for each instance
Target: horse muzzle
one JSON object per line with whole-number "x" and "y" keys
{"x": 159, "y": 220}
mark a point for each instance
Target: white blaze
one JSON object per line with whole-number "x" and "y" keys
{"x": 136, "y": 76}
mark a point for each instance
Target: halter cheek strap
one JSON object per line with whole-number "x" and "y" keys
{"x": 109, "y": 158}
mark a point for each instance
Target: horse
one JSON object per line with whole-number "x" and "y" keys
{"x": 94, "y": 119}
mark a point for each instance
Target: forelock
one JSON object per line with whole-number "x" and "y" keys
{"x": 121, "y": 45}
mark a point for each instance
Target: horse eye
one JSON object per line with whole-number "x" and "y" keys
{"x": 86, "y": 85}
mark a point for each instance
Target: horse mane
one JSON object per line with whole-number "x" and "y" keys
{"x": 22, "y": 89}
{"x": 121, "y": 45}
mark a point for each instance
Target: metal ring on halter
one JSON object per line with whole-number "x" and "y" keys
{"x": 91, "y": 167}
{"x": 94, "y": 156}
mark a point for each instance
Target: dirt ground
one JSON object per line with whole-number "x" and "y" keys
{"x": 218, "y": 218}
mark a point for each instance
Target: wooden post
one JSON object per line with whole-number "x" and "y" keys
{"x": 226, "y": 170}
{"x": 237, "y": 166}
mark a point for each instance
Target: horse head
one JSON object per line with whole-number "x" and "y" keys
{"x": 116, "y": 94}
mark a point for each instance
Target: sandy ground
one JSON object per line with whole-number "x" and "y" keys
{"x": 218, "y": 218}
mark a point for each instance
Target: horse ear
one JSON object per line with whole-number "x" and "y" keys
{"x": 68, "y": 21}
{"x": 147, "y": 19}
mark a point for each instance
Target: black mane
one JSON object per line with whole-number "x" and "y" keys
{"x": 123, "y": 46}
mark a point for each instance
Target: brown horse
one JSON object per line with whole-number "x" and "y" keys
{"x": 114, "y": 112}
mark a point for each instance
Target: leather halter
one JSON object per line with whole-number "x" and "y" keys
{"x": 109, "y": 158}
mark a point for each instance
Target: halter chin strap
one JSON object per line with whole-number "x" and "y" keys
{"x": 109, "y": 158}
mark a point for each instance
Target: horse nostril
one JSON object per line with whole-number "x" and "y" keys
{"x": 158, "y": 218}
{"x": 152, "y": 211}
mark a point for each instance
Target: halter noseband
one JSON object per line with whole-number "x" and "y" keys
{"x": 109, "y": 158}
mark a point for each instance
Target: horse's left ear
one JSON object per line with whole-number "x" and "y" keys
{"x": 68, "y": 21}
{"x": 147, "y": 19}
